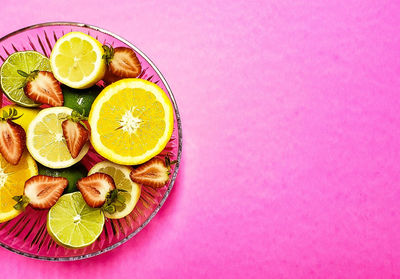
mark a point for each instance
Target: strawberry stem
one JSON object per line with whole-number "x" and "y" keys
{"x": 169, "y": 163}
{"x": 114, "y": 201}
{"x": 22, "y": 73}
{"x": 22, "y": 202}
{"x": 108, "y": 53}
{"x": 28, "y": 77}
{"x": 32, "y": 75}
{"x": 84, "y": 125}
{"x": 10, "y": 115}
{"x": 76, "y": 117}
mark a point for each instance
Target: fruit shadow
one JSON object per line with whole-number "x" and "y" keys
{"x": 140, "y": 242}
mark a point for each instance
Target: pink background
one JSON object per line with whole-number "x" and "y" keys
{"x": 291, "y": 123}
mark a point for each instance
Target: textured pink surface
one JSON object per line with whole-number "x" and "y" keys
{"x": 291, "y": 125}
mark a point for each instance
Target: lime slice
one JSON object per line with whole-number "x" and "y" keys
{"x": 13, "y": 83}
{"x": 80, "y": 100}
{"x": 120, "y": 174}
{"x": 46, "y": 142}
{"x": 74, "y": 224}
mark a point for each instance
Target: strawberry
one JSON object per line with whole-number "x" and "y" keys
{"x": 12, "y": 137}
{"x": 96, "y": 188}
{"x": 110, "y": 77}
{"x": 122, "y": 62}
{"x": 76, "y": 132}
{"x": 42, "y": 87}
{"x": 154, "y": 173}
{"x": 41, "y": 192}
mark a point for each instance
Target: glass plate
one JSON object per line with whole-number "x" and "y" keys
{"x": 26, "y": 234}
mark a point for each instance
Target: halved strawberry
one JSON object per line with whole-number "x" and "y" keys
{"x": 122, "y": 63}
{"x": 76, "y": 133}
{"x": 86, "y": 125}
{"x": 110, "y": 77}
{"x": 41, "y": 191}
{"x": 42, "y": 87}
{"x": 12, "y": 137}
{"x": 153, "y": 173}
{"x": 95, "y": 188}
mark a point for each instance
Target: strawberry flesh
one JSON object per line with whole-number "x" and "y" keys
{"x": 123, "y": 64}
{"x": 153, "y": 173}
{"x": 45, "y": 89}
{"x": 95, "y": 187}
{"x": 12, "y": 141}
{"x": 110, "y": 77}
{"x": 75, "y": 135}
{"x": 44, "y": 191}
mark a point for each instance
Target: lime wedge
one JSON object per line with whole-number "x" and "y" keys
{"x": 12, "y": 82}
{"x": 74, "y": 224}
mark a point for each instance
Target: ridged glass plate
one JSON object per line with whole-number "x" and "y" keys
{"x": 27, "y": 234}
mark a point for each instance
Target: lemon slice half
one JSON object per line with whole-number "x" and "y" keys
{"x": 46, "y": 142}
{"x": 77, "y": 60}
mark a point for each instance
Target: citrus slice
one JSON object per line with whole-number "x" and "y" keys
{"x": 120, "y": 174}
{"x": 77, "y": 60}
{"x": 46, "y": 142}
{"x": 27, "y": 114}
{"x": 80, "y": 100}
{"x": 74, "y": 224}
{"x": 131, "y": 121}
{"x": 12, "y": 182}
{"x": 12, "y": 83}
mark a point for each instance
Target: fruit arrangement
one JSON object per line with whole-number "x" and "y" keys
{"x": 86, "y": 96}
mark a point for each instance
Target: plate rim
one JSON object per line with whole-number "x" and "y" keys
{"x": 180, "y": 140}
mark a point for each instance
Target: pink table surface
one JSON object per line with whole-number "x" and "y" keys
{"x": 291, "y": 123}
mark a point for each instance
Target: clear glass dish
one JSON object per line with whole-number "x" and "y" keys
{"x": 26, "y": 234}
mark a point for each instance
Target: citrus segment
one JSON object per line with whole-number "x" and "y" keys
{"x": 80, "y": 100}
{"x": 74, "y": 224}
{"x": 76, "y": 60}
{"x": 131, "y": 121}
{"x": 12, "y": 181}
{"x": 12, "y": 83}
{"x": 120, "y": 174}
{"x": 46, "y": 142}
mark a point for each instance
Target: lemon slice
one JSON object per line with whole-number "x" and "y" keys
{"x": 74, "y": 224}
{"x": 120, "y": 174}
{"x": 46, "y": 142}
{"x": 77, "y": 60}
{"x": 131, "y": 121}
{"x": 12, "y": 182}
